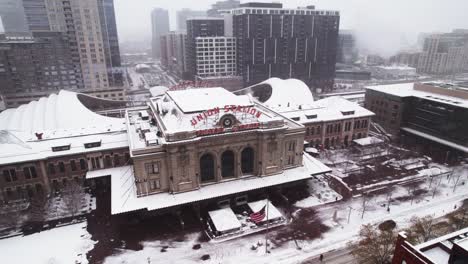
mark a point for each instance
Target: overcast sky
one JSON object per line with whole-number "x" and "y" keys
{"x": 383, "y": 26}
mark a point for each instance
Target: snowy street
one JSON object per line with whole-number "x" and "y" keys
{"x": 341, "y": 232}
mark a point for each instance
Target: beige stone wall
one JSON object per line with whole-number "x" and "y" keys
{"x": 179, "y": 168}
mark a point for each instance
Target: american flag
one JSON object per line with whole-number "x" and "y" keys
{"x": 258, "y": 216}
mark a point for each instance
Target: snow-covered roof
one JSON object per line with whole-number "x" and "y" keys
{"x": 289, "y": 93}
{"x": 407, "y": 90}
{"x": 224, "y": 219}
{"x": 24, "y": 151}
{"x": 367, "y": 141}
{"x": 158, "y": 90}
{"x": 271, "y": 211}
{"x": 197, "y": 100}
{"x": 62, "y": 111}
{"x": 326, "y": 109}
{"x": 62, "y": 120}
{"x": 124, "y": 198}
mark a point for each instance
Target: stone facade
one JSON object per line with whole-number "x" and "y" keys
{"x": 177, "y": 167}
{"x": 27, "y": 179}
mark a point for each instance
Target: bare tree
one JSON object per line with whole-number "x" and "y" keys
{"x": 37, "y": 209}
{"x": 389, "y": 192}
{"x": 73, "y": 197}
{"x": 374, "y": 246}
{"x": 365, "y": 203}
{"x": 422, "y": 229}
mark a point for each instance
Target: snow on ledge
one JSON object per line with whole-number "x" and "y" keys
{"x": 124, "y": 198}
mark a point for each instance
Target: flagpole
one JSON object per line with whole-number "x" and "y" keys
{"x": 266, "y": 234}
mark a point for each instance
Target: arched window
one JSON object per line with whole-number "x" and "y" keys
{"x": 227, "y": 164}
{"x": 312, "y": 130}
{"x": 207, "y": 168}
{"x": 247, "y": 160}
{"x": 346, "y": 140}
{"x": 307, "y": 131}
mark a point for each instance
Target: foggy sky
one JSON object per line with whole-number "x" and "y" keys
{"x": 382, "y": 26}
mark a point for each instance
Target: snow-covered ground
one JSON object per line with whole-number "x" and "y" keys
{"x": 320, "y": 192}
{"x": 61, "y": 245}
{"x": 334, "y": 215}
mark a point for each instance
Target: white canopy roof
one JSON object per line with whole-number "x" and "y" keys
{"x": 62, "y": 111}
{"x": 224, "y": 219}
{"x": 288, "y": 93}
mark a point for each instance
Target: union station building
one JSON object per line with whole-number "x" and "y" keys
{"x": 206, "y": 146}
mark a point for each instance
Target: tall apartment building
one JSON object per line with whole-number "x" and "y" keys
{"x": 13, "y": 16}
{"x": 184, "y": 14}
{"x": 273, "y": 41}
{"x": 89, "y": 28}
{"x": 346, "y": 51}
{"x": 444, "y": 53}
{"x": 31, "y": 67}
{"x": 173, "y": 52}
{"x": 216, "y": 56}
{"x": 200, "y": 28}
{"x": 160, "y": 26}
{"x": 221, "y": 7}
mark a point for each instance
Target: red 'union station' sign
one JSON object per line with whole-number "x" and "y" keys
{"x": 219, "y": 130}
{"x": 227, "y": 109}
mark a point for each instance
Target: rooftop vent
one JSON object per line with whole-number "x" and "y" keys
{"x": 296, "y": 118}
{"x": 311, "y": 116}
{"x": 92, "y": 144}
{"x": 345, "y": 113}
{"x": 61, "y": 148}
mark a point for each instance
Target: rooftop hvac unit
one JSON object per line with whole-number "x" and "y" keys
{"x": 151, "y": 138}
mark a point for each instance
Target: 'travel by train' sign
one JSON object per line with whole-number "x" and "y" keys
{"x": 226, "y": 109}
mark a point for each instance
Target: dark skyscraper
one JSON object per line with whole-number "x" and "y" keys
{"x": 286, "y": 43}
{"x": 32, "y": 67}
{"x": 200, "y": 27}
{"x": 160, "y": 26}
{"x": 110, "y": 40}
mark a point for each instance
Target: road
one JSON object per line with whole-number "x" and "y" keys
{"x": 341, "y": 256}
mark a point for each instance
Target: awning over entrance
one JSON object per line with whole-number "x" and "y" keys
{"x": 124, "y": 197}
{"x": 224, "y": 220}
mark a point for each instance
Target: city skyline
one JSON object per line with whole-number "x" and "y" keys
{"x": 381, "y": 27}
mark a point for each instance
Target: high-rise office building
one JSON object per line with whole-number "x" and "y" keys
{"x": 199, "y": 28}
{"x": 13, "y": 16}
{"x": 32, "y": 67}
{"x": 288, "y": 43}
{"x": 173, "y": 52}
{"x": 347, "y": 51}
{"x": 221, "y": 7}
{"x": 110, "y": 41}
{"x": 89, "y": 28}
{"x": 444, "y": 53}
{"x": 160, "y": 26}
{"x": 184, "y": 14}
{"x": 36, "y": 15}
